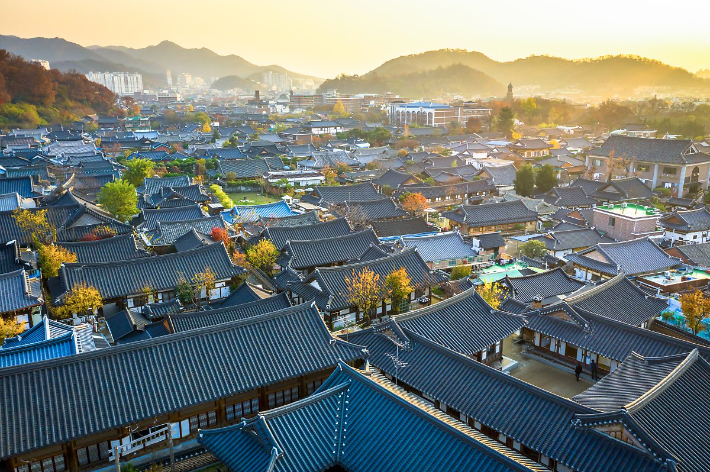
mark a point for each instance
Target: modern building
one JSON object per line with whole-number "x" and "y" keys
{"x": 121, "y": 83}
{"x": 624, "y": 222}
{"x": 424, "y": 114}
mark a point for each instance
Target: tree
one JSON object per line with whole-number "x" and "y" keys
{"x": 203, "y": 281}
{"x": 9, "y": 328}
{"x": 36, "y": 224}
{"x": 696, "y": 309}
{"x": 119, "y": 198}
{"x": 364, "y": 291}
{"x": 137, "y": 170}
{"x": 342, "y": 168}
{"x": 52, "y": 257}
{"x": 414, "y": 203}
{"x": 215, "y": 135}
{"x": 262, "y": 255}
{"x": 545, "y": 178}
{"x": 491, "y": 293}
{"x": 82, "y": 298}
{"x": 534, "y": 249}
{"x": 399, "y": 286}
{"x": 183, "y": 291}
{"x": 221, "y": 196}
{"x": 529, "y": 107}
{"x": 524, "y": 182}
{"x": 339, "y": 109}
{"x": 505, "y": 121}
{"x": 330, "y": 175}
{"x": 459, "y": 272}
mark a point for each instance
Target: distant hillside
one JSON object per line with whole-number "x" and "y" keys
{"x": 605, "y": 76}
{"x": 456, "y": 78}
{"x": 31, "y": 95}
{"x": 152, "y": 60}
{"x": 232, "y": 81}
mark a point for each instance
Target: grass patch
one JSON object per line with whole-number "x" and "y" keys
{"x": 252, "y": 198}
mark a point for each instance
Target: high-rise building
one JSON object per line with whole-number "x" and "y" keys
{"x": 169, "y": 78}
{"x": 184, "y": 80}
{"x": 121, "y": 83}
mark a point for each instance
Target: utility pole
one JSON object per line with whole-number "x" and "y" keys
{"x": 117, "y": 457}
{"x": 172, "y": 449}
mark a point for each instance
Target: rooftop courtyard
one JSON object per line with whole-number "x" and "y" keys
{"x": 630, "y": 210}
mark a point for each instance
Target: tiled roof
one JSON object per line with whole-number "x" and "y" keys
{"x": 152, "y": 185}
{"x": 254, "y": 213}
{"x": 532, "y": 416}
{"x": 393, "y": 179}
{"x": 243, "y": 168}
{"x": 124, "y": 322}
{"x": 196, "y": 367}
{"x": 697, "y": 254}
{"x": 572, "y": 239}
{"x": 330, "y": 229}
{"x": 152, "y": 217}
{"x": 440, "y": 246}
{"x": 53, "y": 348}
{"x": 619, "y": 299}
{"x": 500, "y": 175}
{"x": 490, "y": 240}
{"x": 179, "y": 322}
{"x": 638, "y": 256}
{"x": 568, "y": 197}
{"x": 464, "y": 323}
{"x": 328, "y": 251}
{"x": 689, "y": 220}
{"x": 10, "y": 257}
{"x": 623, "y": 189}
{"x": 18, "y": 291}
{"x": 295, "y": 220}
{"x": 46, "y": 329}
{"x": 20, "y": 185}
{"x": 470, "y": 188}
{"x": 491, "y": 214}
{"x": 117, "y": 248}
{"x": 120, "y": 279}
{"x": 360, "y": 425}
{"x": 657, "y": 401}
{"x": 552, "y": 283}
{"x": 340, "y": 194}
{"x": 401, "y": 226}
{"x": 371, "y": 210}
{"x": 191, "y": 240}
{"x": 663, "y": 151}
{"x": 166, "y": 233}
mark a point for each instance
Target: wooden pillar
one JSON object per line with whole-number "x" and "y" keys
{"x": 71, "y": 457}
{"x": 221, "y": 413}
{"x": 263, "y": 399}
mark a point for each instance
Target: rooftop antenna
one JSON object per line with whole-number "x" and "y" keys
{"x": 398, "y": 363}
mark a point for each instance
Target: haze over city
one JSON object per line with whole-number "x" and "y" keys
{"x": 325, "y": 38}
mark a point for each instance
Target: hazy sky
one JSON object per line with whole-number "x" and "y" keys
{"x": 326, "y": 38}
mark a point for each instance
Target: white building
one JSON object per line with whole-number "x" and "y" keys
{"x": 42, "y": 62}
{"x": 121, "y": 83}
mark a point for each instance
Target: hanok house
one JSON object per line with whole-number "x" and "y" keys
{"x": 626, "y": 221}
{"x": 504, "y": 217}
{"x": 634, "y": 258}
{"x": 442, "y": 250}
{"x": 327, "y": 196}
{"x": 690, "y": 226}
{"x": 332, "y": 229}
{"x": 670, "y": 163}
{"x": 360, "y": 423}
{"x": 389, "y": 229}
{"x": 306, "y": 256}
{"x": 329, "y": 288}
{"x": 653, "y": 403}
{"x": 440, "y": 196}
{"x": 562, "y": 243}
{"x": 394, "y": 180}
{"x": 569, "y": 197}
{"x": 544, "y": 288}
{"x": 567, "y": 334}
{"x": 202, "y": 378}
{"x": 163, "y": 238}
{"x": 21, "y": 297}
{"x": 361, "y": 213}
{"x": 137, "y": 282}
{"x": 532, "y": 421}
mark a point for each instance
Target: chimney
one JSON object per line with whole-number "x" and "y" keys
{"x": 536, "y": 302}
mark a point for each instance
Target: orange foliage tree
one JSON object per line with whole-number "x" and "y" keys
{"x": 414, "y": 203}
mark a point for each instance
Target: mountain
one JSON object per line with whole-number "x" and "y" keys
{"x": 604, "y": 76}
{"x": 232, "y": 81}
{"x": 152, "y": 61}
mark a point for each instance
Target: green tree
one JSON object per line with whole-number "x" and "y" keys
{"x": 459, "y": 272}
{"x": 505, "y": 121}
{"x": 545, "y": 178}
{"x": 524, "y": 183}
{"x": 533, "y": 248}
{"x": 137, "y": 170}
{"x": 119, "y": 198}
{"x": 529, "y": 107}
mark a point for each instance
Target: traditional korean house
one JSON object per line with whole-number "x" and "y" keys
{"x": 136, "y": 282}
{"x": 153, "y": 185}
{"x": 690, "y": 226}
{"x": 504, "y": 217}
{"x": 394, "y": 179}
{"x": 569, "y": 197}
{"x": 636, "y": 257}
{"x": 167, "y": 233}
{"x": 530, "y": 420}
{"x": 488, "y": 244}
{"x": 441, "y": 250}
{"x": 366, "y": 416}
{"x": 113, "y": 249}
{"x": 149, "y": 219}
{"x": 328, "y": 286}
{"x": 21, "y": 297}
{"x": 306, "y": 256}
{"x": 362, "y": 213}
{"x": 197, "y": 379}
{"x": 564, "y": 242}
{"x": 388, "y": 229}
{"x": 439, "y": 196}
{"x": 244, "y": 214}
{"x": 280, "y": 235}
{"x": 543, "y": 288}
{"x": 696, "y": 255}
{"x": 327, "y": 196}
{"x": 653, "y": 403}
{"x": 168, "y": 197}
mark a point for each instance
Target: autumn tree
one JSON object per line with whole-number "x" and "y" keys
{"x": 524, "y": 182}
{"x": 184, "y": 291}
{"x": 51, "y": 258}
{"x": 529, "y": 108}
{"x": 206, "y": 281}
{"x": 364, "y": 291}
{"x": 9, "y": 328}
{"x": 342, "y": 168}
{"x": 398, "y": 285}
{"x": 414, "y": 203}
{"x": 262, "y": 255}
{"x": 137, "y": 170}
{"x": 459, "y": 272}
{"x": 220, "y": 234}
{"x": 35, "y": 224}
{"x": 119, "y": 198}
{"x": 696, "y": 309}
{"x": 534, "y": 249}
{"x": 330, "y": 175}
{"x": 491, "y": 292}
{"x": 545, "y": 178}
{"x": 82, "y": 299}
{"x": 339, "y": 109}
{"x": 221, "y": 196}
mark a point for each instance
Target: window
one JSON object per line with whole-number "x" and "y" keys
{"x": 203, "y": 420}
{"x": 237, "y": 411}
{"x": 643, "y": 167}
{"x": 283, "y": 397}
{"x": 93, "y": 453}
{"x": 50, "y": 464}
{"x": 612, "y": 221}
{"x": 597, "y": 162}
{"x": 313, "y": 386}
{"x": 669, "y": 170}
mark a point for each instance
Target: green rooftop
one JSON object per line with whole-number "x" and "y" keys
{"x": 631, "y": 210}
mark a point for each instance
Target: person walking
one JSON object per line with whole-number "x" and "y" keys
{"x": 593, "y": 365}
{"x": 578, "y": 371}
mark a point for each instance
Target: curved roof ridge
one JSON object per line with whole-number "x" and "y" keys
{"x": 428, "y": 236}
{"x": 306, "y": 401}
{"x": 537, "y": 274}
{"x": 428, "y": 309}
{"x": 572, "y": 299}
{"x": 661, "y": 386}
{"x": 352, "y": 235}
{"x": 367, "y": 263}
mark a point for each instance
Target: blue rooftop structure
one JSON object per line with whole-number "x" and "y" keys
{"x": 358, "y": 424}
{"x": 253, "y": 213}
{"x": 424, "y": 105}
{"x": 40, "y": 351}
{"x": 440, "y": 246}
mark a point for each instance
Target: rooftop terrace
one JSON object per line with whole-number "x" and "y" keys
{"x": 630, "y": 210}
